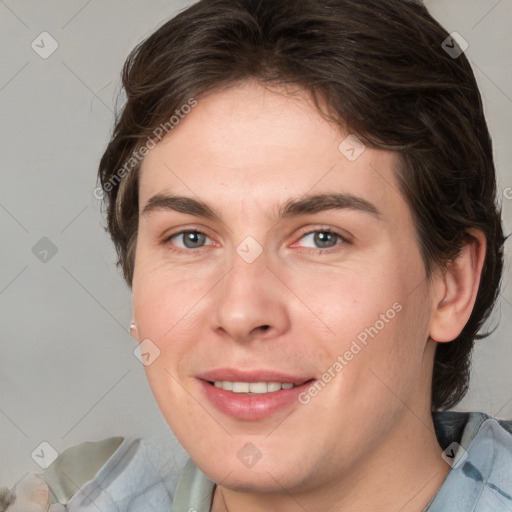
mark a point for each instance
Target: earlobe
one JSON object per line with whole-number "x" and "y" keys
{"x": 456, "y": 289}
{"x": 133, "y": 330}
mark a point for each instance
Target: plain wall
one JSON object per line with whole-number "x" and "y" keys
{"x": 67, "y": 369}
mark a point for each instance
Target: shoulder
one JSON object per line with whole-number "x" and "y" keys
{"x": 112, "y": 474}
{"x": 130, "y": 479}
{"x": 462, "y": 426}
{"x": 479, "y": 450}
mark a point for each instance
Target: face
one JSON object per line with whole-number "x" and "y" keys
{"x": 269, "y": 285}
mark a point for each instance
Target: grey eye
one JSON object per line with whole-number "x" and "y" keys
{"x": 190, "y": 239}
{"x": 322, "y": 239}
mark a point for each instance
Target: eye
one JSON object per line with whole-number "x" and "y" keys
{"x": 325, "y": 238}
{"x": 190, "y": 239}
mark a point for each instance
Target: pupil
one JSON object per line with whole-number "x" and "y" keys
{"x": 321, "y": 238}
{"x": 192, "y": 238}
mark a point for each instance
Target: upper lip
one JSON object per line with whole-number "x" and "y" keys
{"x": 264, "y": 375}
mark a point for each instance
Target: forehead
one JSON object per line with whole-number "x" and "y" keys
{"x": 256, "y": 147}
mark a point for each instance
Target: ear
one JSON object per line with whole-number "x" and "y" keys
{"x": 456, "y": 287}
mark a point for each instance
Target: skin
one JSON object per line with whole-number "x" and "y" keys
{"x": 366, "y": 441}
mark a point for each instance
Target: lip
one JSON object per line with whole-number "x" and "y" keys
{"x": 251, "y": 407}
{"x": 236, "y": 375}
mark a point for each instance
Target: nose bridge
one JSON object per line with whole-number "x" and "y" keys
{"x": 249, "y": 299}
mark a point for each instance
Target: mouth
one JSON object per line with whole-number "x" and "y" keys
{"x": 254, "y": 388}
{"x": 252, "y": 396}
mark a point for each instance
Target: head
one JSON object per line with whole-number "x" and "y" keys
{"x": 244, "y": 105}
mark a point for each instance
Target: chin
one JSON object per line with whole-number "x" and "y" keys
{"x": 264, "y": 477}
{"x": 251, "y": 482}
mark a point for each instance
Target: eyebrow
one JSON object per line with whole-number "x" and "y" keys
{"x": 292, "y": 208}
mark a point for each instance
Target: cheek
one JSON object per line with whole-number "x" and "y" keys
{"x": 165, "y": 309}
{"x": 348, "y": 300}
{"x": 166, "y": 312}
{"x": 378, "y": 320}
{"x": 164, "y": 296}
{"x": 391, "y": 361}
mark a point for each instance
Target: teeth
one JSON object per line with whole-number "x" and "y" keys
{"x": 257, "y": 388}
{"x": 240, "y": 387}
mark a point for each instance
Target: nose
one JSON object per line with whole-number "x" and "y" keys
{"x": 250, "y": 302}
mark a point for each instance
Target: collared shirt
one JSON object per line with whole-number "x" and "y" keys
{"x": 480, "y": 478}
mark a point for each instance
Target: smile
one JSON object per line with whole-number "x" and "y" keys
{"x": 252, "y": 395}
{"x": 256, "y": 388}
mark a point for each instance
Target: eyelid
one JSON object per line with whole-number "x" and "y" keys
{"x": 324, "y": 228}
{"x": 185, "y": 228}
{"x": 202, "y": 231}
{"x": 346, "y": 238}
{"x": 165, "y": 239}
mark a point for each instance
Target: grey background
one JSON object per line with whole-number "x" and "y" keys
{"x": 67, "y": 369}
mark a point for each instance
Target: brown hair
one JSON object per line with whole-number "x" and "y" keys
{"x": 384, "y": 74}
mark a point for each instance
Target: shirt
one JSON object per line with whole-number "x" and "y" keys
{"x": 125, "y": 478}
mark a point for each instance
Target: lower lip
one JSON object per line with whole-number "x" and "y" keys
{"x": 251, "y": 407}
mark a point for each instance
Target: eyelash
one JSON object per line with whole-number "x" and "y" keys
{"x": 319, "y": 250}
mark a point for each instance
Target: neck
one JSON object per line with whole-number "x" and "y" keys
{"x": 403, "y": 473}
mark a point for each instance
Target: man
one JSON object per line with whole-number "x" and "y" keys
{"x": 302, "y": 197}
{"x": 312, "y": 244}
